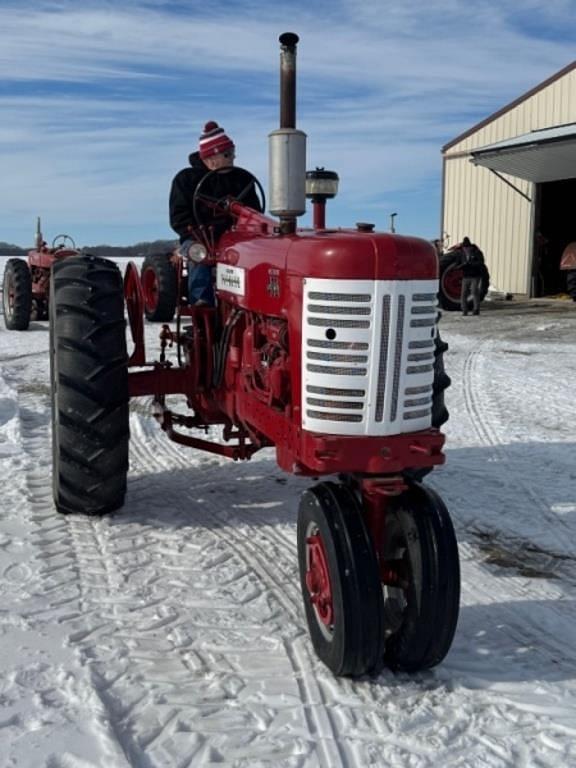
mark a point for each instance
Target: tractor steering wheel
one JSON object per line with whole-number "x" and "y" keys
{"x": 220, "y": 207}
{"x": 63, "y": 240}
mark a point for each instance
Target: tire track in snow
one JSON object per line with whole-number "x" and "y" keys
{"x": 346, "y": 696}
{"x": 60, "y": 570}
{"x": 83, "y": 588}
{"x": 398, "y": 714}
{"x": 96, "y": 614}
{"x": 473, "y": 385}
{"x": 277, "y": 576}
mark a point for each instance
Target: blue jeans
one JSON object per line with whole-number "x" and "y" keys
{"x": 200, "y": 284}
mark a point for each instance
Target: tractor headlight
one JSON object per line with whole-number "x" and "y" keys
{"x": 197, "y": 252}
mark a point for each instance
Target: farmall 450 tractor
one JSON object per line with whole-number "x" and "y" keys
{"x": 323, "y": 344}
{"x": 26, "y": 284}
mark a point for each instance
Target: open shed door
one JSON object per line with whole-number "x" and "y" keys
{"x": 547, "y": 158}
{"x": 538, "y": 156}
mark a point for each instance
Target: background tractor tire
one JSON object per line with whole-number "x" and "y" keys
{"x": 160, "y": 287}
{"x": 451, "y": 281}
{"x": 440, "y": 414}
{"x": 17, "y": 295}
{"x": 89, "y": 377}
{"x": 441, "y": 383}
{"x": 571, "y": 283}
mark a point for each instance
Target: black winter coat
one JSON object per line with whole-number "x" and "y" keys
{"x": 472, "y": 261}
{"x": 219, "y": 185}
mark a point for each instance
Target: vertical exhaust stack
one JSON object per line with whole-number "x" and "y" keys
{"x": 39, "y": 239}
{"x": 287, "y": 146}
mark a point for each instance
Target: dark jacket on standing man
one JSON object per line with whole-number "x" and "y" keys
{"x": 472, "y": 259}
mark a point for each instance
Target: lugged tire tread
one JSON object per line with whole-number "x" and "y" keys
{"x": 90, "y": 386}
{"x": 19, "y": 320}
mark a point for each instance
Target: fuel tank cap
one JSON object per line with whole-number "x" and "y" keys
{"x": 364, "y": 226}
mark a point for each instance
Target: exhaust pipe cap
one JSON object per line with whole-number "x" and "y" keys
{"x": 289, "y": 39}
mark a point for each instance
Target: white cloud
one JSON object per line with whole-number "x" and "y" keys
{"x": 101, "y": 104}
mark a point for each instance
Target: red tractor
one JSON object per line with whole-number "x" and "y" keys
{"x": 323, "y": 344}
{"x": 26, "y": 284}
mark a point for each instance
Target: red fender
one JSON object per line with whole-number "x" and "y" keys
{"x": 134, "y": 296}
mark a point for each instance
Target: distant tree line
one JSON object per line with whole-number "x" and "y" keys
{"x": 130, "y": 251}
{"x": 106, "y": 251}
{"x": 11, "y": 250}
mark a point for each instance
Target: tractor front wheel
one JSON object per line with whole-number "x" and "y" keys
{"x": 160, "y": 288}
{"x": 17, "y": 295}
{"x": 421, "y": 582}
{"x": 89, "y": 377}
{"x": 340, "y": 581}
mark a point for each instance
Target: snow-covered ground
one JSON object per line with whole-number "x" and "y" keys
{"x": 171, "y": 634}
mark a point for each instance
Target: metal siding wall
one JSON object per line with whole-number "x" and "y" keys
{"x": 479, "y": 204}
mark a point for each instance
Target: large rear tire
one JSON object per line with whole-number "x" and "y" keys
{"x": 421, "y": 604}
{"x": 340, "y": 581}
{"x": 17, "y": 295}
{"x": 440, "y": 414}
{"x": 89, "y": 377}
{"x": 160, "y": 287}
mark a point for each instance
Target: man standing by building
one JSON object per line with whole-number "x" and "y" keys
{"x": 472, "y": 264}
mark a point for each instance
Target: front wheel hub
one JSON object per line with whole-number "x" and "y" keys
{"x": 318, "y": 580}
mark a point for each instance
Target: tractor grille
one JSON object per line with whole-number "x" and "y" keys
{"x": 368, "y": 356}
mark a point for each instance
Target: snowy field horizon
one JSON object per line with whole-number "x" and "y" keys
{"x": 172, "y": 635}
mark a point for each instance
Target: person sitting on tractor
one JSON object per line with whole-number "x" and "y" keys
{"x": 216, "y": 151}
{"x": 471, "y": 265}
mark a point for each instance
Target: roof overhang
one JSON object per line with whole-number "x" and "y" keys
{"x": 539, "y": 156}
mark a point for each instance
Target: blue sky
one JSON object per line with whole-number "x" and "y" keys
{"x": 101, "y": 102}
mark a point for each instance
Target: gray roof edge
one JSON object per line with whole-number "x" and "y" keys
{"x": 556, "y": 133}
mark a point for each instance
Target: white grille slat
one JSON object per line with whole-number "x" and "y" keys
{"x": 387, "y": 388}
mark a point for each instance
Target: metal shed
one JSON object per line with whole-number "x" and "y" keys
{"x": 509, "y": 183}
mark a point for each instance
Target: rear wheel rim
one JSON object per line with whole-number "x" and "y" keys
{"x": 452, "y": 283}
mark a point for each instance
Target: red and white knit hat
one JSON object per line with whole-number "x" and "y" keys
{"x": 214, "y": 141}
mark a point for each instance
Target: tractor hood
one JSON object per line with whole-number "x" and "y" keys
{"x": 351, "y": 254}
{"x": 335, "y": 254}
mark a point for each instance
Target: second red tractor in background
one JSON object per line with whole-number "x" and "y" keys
{"x": 26, "y": 283}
